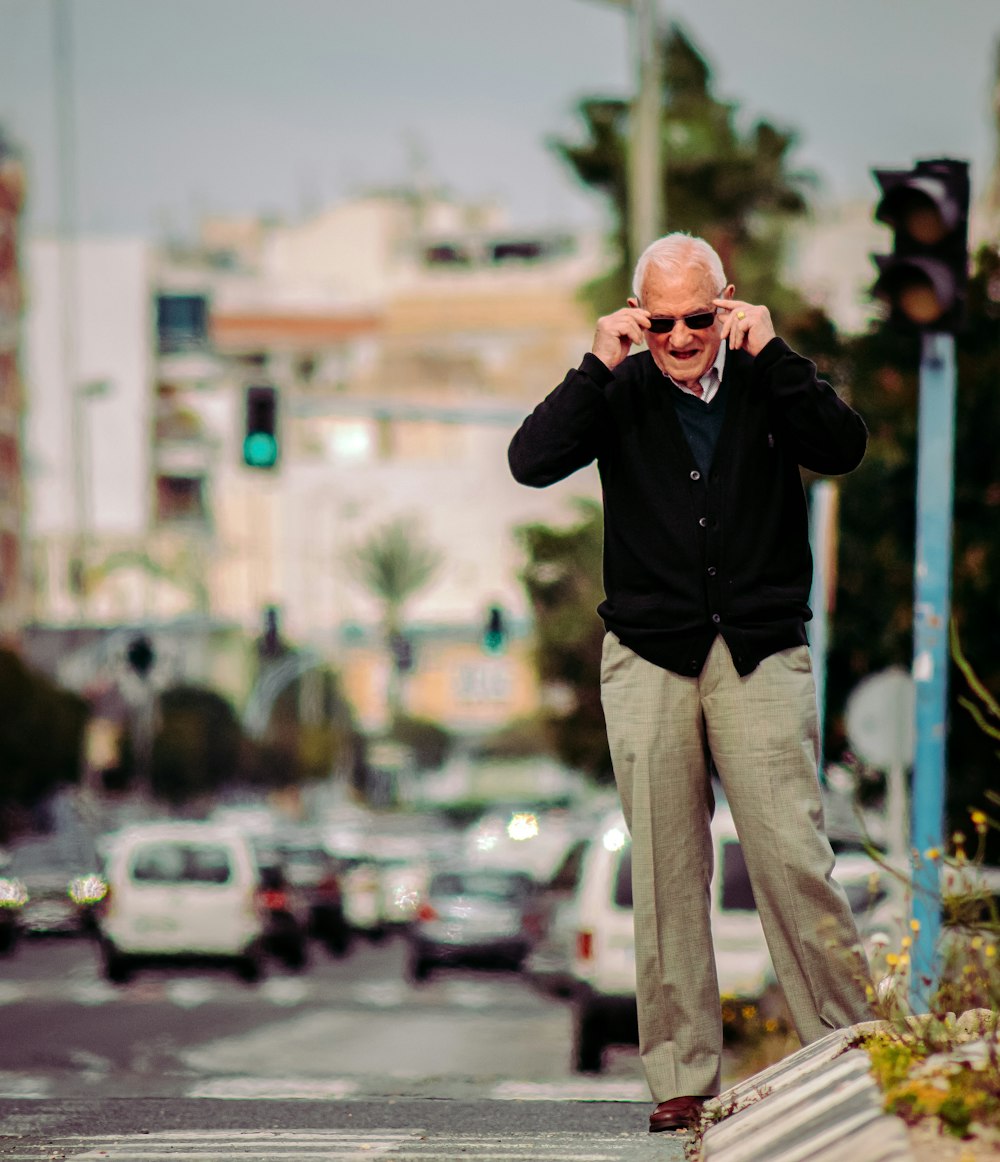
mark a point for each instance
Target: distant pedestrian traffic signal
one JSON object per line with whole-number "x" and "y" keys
{"x": 494, "y": 631}
{"x": 923, "y": 282}
{"x": 260, "y": 440}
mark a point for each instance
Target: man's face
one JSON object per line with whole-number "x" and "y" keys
{"x": 682, "y": 353}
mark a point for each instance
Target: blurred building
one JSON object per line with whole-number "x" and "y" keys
{"x": 405, "y": 337}
{"x": 12, "y": 589}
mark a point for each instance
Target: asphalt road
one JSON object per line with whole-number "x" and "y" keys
{"x": 345, "y": 1059}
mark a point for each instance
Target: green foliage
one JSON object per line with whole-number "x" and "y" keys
{"x": 310, "y": 729}
{"x": 522, "y": 738}
{"x": 728, "y": 185}
{"x": 564, "y": 584}
{"x": 429, "y": 741}
{"x": 393, "y": 564}
{"x": 198, "y": 748}
{"x": 41, "y": 734}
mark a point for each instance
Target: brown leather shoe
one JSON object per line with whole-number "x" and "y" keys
{"x": 680, "y": 1113}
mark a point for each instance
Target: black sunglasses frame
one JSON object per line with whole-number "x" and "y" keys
{"x": 699, "y": 321}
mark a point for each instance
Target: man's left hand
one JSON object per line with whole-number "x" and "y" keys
{"x": 746, "y": 325}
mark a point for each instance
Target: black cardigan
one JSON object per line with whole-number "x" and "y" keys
{"x": 686, "y": 557}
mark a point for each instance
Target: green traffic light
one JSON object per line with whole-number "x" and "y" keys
{"x": 260, "y": 450}
{"x": 493, "y": 643}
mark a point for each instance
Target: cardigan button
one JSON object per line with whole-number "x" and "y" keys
{"x": 716, "y": 618}
{"x": 712, "y": 570}
{"x": 703, "y": 521}
{"x": 695, "y": 474}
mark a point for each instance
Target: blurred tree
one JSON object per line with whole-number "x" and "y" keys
{"x": 727, "y": 185}
{"x": 309, "y": 733}
{"x": 41, "y": 736}
{"x": 874, "y": 618}
{"x": 563, "y": 581}
{"x": 394, "y": 564}
{"x": 199, "y": 746}
{"x": 429, "y": 741}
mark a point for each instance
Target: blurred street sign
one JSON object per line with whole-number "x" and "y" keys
{"x": 881, "y": 727}
{"x": 880, "y": 719}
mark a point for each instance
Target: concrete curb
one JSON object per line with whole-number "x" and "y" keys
{"x": 819, "y": 1105}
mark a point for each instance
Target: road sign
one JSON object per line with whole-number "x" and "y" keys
{"x": 880, "y": 719}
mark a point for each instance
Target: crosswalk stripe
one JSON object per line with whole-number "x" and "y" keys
{"x": 280, "y": 991}
{"x": 329, "y": 1145}
{"x": 218, "y": 1145}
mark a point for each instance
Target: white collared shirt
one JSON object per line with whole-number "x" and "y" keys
{"x": 709, "y": 381}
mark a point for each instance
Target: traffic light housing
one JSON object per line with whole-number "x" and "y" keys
{"x": 924, "y": 280}
{"x": 140, "y": 655}
{"x": 260, "y": 439}
{"x": 494, "y": 630}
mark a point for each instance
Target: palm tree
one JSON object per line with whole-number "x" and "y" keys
{"x": 394, "y": 564}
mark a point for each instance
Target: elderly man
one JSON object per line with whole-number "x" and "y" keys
{"x": 707, "y": 572}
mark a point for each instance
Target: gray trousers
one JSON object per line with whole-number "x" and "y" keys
{"x": 761, "y": 732}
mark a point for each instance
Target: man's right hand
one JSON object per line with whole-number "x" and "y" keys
{"x": 616, "y": 333}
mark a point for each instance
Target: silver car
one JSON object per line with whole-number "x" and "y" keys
{"x": 474, "y": 916}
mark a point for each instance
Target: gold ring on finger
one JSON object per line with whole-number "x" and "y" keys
{"x": 741, "y": 314}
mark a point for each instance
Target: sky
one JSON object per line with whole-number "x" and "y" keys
{"x": 188, "y": 107}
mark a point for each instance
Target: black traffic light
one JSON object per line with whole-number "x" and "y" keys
{"x": 924, "y": 280}
{"x": 494, "y": 630}
{"x": 260, "y": 439}
{"x": 140, "y": 655}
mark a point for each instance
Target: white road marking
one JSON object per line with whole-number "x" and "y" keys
{"x": 218, "y": 1145}
{"x": 383, "y": 994}
{"x": 284, "y": 990}
{"x": 189, "y": 993}
{"x": 24, "y": 1085}
{"x": 328, "y": 1145}
{"x": 573, "y": 1089}
{"x": 276, "y": 1089}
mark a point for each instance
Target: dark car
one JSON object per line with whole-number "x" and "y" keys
{"x": 314, "y": 876}
{"x": 474, "y": 916}
{"x": 60, "y": 885}
{"x": 286, "y": 917}
{"x": 13, "y": 896}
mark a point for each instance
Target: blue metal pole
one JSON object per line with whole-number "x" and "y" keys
{"x": 931, "y": 614}
{"x": 821, "y": 535}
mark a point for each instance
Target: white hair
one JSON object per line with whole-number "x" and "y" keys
{"x": 673, "y": 254}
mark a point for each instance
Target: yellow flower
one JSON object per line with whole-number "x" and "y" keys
{"x": 891, "y": 959}
{"x": 869, "y": 992}
{"x": 915, "y": 925}
{"x": 957, "y": 838}
{"x": 979, "y": 819}
{"x": 906, "y": 941}
{"x": 976, "y": 943}
{"x": 932, "y": 853}
{"x": 771, "y": 1025}
{"x": 749, "y": 1012}
{"x": 904, "y": 960}
{"x": 990, "y": 951}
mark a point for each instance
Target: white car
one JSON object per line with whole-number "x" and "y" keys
{"x": 181, "y": 891}
{"x": 603, "y": 965}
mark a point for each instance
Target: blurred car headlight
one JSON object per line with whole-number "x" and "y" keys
{"x": 85, "y": 890}
{"x": 13, "y": 894}
{"x": 523, "y": 825}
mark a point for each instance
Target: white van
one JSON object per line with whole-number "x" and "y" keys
{"x": 604, "y": 954}
{"x": 181, "y": 890}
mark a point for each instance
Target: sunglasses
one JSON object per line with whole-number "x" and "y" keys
{"x": 696, "y": 322}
